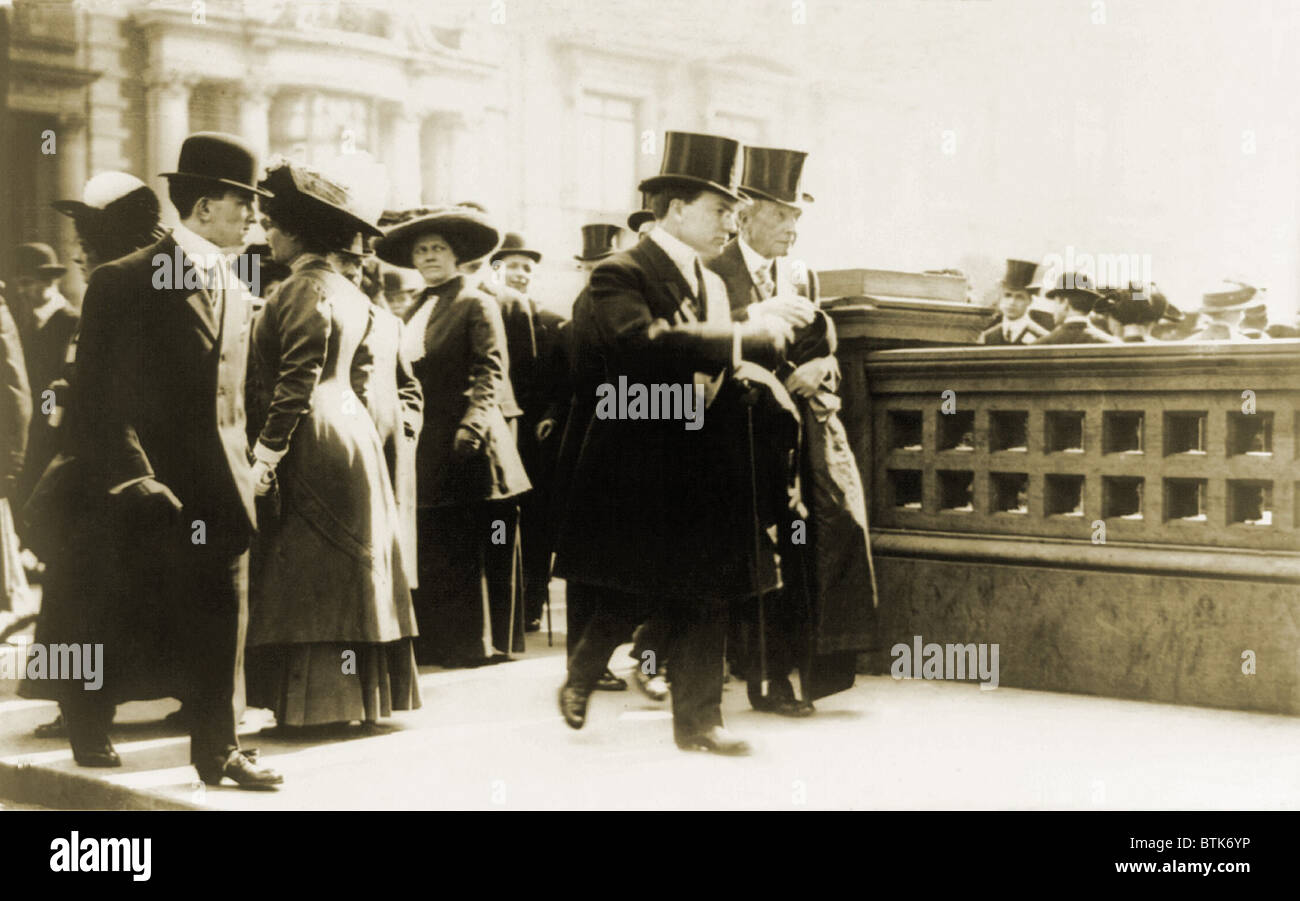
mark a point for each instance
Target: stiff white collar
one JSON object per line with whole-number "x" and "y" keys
{"x": 753, "y": 259}
{"x": 201, "y": 252}
{"x": 681, "y": 253}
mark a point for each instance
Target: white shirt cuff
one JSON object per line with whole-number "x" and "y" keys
{"x": 735, "y": 347}
{"x": 264, "y": 454}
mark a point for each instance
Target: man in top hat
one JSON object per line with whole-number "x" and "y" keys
{"x": 599, "y": 240}
{"x": 1017, "y": 324}
{"x": 830, "y": 585}
{"x": 157, "y": 418}
{"x": 1075, "y": 301}
{"x": 659, "y": 518}
{"x": 1223, "y": 310}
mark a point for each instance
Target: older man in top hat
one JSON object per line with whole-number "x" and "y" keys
{"x": 157, "y": 419}
{"x": 1076, "y": 300}
{"x": 824, "y": 612}
{"x": 660, "y": 516}
{"x": 1222, "y": 311}
{"x": 1017, "y": 324}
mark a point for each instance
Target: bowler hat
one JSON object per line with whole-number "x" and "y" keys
{"x": 1074, "y": 284}
{"x": 468, "y": 232}
{"x": 1020, "y": 276}
{"x": 1226, "y": 299}
{"x": 697, "y": 161}
{"x": 598, "y": 241}
{"x": 37, "y": 261}
{"x": 513, "y": 244}
{"x": 220, "y": 158}
{"x": 772, "y": 173}
{"x": 316, "y": 197}
{"x": 638, "y": 219}
{"x": 1140, "y": 305}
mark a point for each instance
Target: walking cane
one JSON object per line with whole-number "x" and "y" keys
{"x": 749, "y": 400}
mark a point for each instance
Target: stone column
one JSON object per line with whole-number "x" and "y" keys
{"x": 254, "y": 115}
{"x": 167, "y": 99}
{"x": 73, "y": 156}
{"x": 404, "y": 177}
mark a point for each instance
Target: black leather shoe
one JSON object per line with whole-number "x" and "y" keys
{"x": 610, "y": 682}
{"x": 56, "y": 729}
{"x": 533, "y": 625}
{"x": 101, "y": 756}
{"x": 573, "y": 705}
{"x": 248, "y": 774}
{"x": 718, "y": 740}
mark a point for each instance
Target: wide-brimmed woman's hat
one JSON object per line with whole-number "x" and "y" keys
{"x": 309, "y": 195}
{"x": 466, "y": 230}
{"x": 113, "y": 204}
{"x": 212, "y": 156}
{"x": 37, "y": 261}
{"x": 1234, "y": 295}
{"x": 697, "y": 161}
{"x": 513, "y": 244}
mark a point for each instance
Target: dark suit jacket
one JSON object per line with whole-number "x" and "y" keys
{"x": 993, "y": 335}
{"x": 654, "y": 508}
{"x": 463, "y": 376}
{"x": 1077, "y": 333}
{"x": 160, "y": 390}
{"x": 15, "y": 399}
{"x": 46, "y": 348}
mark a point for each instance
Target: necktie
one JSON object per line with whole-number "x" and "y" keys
{"x": 763, "y": 282}
{"x": 701, "y": 299}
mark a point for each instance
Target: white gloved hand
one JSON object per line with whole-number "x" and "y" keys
{"x": 796, "y": 310}
{"x": 263, "y": 477}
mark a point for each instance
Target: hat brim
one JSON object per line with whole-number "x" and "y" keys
{"x": 475, "y": 236}
{"x": 74, "y": 208}
{"x": 597, "y": 257}
{"x": 1073, "y": 292}
{"x": 660, "y": 182}
{"x": 252, "y": 189}
{"x": 499, "y": 254}
{"x": 638, "y": 219}
{"x": 1244, "y": 305}
{"x": 802, "y": 202}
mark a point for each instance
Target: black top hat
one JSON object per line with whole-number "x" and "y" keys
{"x": 1020, "y": 276}
{"x": 470, "y": 235}
{"x": 514, "y": 243}
{"x": 1074, "y": 284}
{"x": 37, "y": 261}
{"x": 217, "y": 157}
{"x": 313, "y": 196}
{"x": 772, "y": 173}
{"x": 696, "y": 160}
{"x": 638, "y": 219}
{"x": 598, "y": 241}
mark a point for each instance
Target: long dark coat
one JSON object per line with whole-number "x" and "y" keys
{"x": 463, "y": 373}
{"x": 330, "y": 569}
{"x": 833, "y": 571}
{"x": 15, "y": 414}
{"x": 654, "y": 508}
{"x": 157, "y": 393}
{"x": 382, "y": 378}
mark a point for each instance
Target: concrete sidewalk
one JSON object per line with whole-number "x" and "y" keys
{"x": 492, "y": 738}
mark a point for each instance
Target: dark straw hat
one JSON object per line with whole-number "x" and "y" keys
{"x": 513, "y": 244}
{"x": 220, "y": 158}
{"x": 599, "y": 240}
{"x": 468, "y": 232}
{"x": 772, "y": 173}
{"x": 311, "y": 195}
{"x": 1240, "y": 296}
{"x": 698, "y": 161}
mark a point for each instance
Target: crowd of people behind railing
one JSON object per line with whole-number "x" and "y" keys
{"x": 405, "y": 462}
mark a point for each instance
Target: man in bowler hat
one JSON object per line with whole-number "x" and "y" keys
{"x": 656, "y": 520}
{"x": 157, "y": 417}
{"x": 1076, "y": 300}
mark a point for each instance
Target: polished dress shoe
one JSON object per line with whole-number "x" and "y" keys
{"x": 100, "y": 756}
{"x": 246, "y": 773}
{"x": 716, "y": 739}
{"x": 573, "y": 705}
{"x": 782, "y": 706}
{"x": 610, "y": 682}
{"x": 654, "y": 687}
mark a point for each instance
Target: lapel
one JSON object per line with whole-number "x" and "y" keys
{"x": 667, "y": 277}
{"x": 730, "y": 265}
{"x": 198, "y": 300}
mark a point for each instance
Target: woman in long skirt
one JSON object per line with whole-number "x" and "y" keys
{"x": 330, "y": 622}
